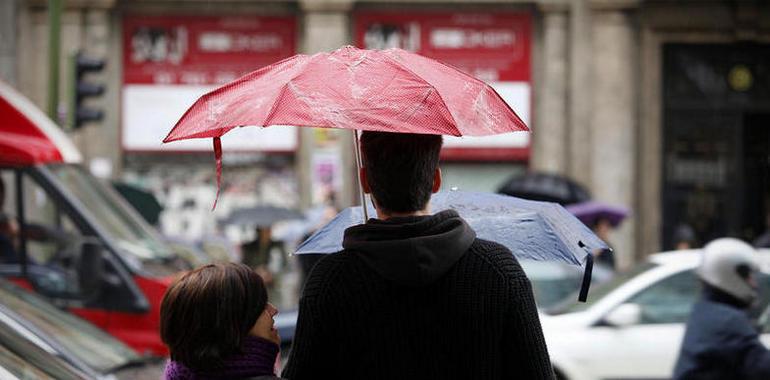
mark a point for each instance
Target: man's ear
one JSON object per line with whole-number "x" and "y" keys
{"x": 364, "y": 181}
{"x": 436, "y": 180}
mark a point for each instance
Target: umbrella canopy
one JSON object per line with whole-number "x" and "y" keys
{"x": 261, "y": 216}
{"x": 144, "y": 201}
{"x": 375, "y": 90}
{"x": 532, "y": 230}
{"x": 590, "y": 212}
{"x": 545, "y": 187}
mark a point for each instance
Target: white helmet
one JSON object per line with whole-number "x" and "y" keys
{"x": 728, "y": 264}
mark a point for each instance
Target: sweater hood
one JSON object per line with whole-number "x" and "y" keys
{"x": 414, "y": 250}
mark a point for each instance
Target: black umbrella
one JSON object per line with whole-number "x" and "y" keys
{"x": 545, "y": 187}
{"x": 144, "y": 201}
{"x": 261, "y": 216}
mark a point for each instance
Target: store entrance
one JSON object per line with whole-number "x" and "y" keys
{"x": 716, "y": 142}
{"x": 756, "y": 174}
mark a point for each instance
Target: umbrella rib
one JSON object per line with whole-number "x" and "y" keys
{"x": 207, "y": 97}
{"x": 454, "y": 122}
{"x": 280, "y": 95}
{"x": 472, "y": 78}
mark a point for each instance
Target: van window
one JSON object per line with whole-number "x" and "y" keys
{"x": 110, "y": 212}
{"x": 52, "y": 236}
{"x": 53, "y": 239}
{"x": 8, "y": 225}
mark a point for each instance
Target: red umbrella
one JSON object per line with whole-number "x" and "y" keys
{"x": 374, "y": 90}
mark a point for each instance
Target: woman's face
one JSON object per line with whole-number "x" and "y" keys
{"x": 264, "y": 328}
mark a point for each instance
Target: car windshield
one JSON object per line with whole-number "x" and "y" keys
{"x": 87, "y": 343}
{"x": 595, "y": 294}
{"x": 552, "y": 282}
{"x": 131, "y": 233}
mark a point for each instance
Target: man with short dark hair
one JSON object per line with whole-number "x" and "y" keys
{"x": 414, "y": 295}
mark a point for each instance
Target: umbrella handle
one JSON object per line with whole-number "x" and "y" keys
{"x": 359, "y": 165}
{"x": 586, "y": 284}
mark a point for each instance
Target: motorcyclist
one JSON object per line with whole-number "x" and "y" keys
{"x": 720, "y": 341}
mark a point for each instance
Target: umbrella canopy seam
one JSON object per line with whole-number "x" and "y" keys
{"x": 438, "y": 94}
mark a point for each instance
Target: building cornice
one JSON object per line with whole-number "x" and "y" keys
{"x": 326, "y": 5}
{"x": 614, "y": 5}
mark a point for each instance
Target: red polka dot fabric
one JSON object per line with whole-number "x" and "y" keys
{"x": 374, "y": 90}
{"x": 370, "y": 90}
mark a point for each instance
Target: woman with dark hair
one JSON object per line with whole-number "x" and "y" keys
{"x": 217, "y": 324}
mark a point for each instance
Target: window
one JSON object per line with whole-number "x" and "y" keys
{"x": 8, "y": 225}
{"x": 669, "y": 300}
{"x": 52, "y": 238}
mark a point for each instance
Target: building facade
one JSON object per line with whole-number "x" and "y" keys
{"x": 659, "y": 106}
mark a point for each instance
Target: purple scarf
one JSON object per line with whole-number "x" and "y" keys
{"x": 257, "y": 359}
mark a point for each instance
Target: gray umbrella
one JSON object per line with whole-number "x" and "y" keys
{"x": 261, "y": 216}
{"x": 532, "y": 230}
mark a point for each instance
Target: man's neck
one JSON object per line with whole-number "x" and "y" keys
{"x": 385, "y": 216}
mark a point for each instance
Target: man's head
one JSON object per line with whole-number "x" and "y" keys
{"x": 400, "y": 170}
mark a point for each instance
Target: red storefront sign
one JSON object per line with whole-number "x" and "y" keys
{"x": 170, "y": 61}
{"x": 202, "y": 50}
{"x": 494, "y": 47}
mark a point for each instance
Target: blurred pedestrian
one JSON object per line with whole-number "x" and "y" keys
{"x": 217, "y": 324}
{"x": 414, "y": 295}
{"x": 720, "y": 341}
{"x": 763, "y": 240}
{"x": 308, "y": 261}
{"x": 258, "y": 253}
{"x": 605, "y": 257}
{"x": 684, "y": 237}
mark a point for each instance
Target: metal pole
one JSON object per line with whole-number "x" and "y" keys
{"x": 359, "y": 165}
{"x": 54, "y": 50}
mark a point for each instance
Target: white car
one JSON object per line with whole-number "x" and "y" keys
{"x": 632, "y": 327}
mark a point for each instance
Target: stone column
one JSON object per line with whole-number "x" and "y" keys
{"x": 649, "y": 174}
{"x": 613, "y": 121}
{"x": 549, "y": 151}
{"x": 32, "y": 68}
{"x": 8, "y": 25}
{"x": 580, "y": 100}
{"x": 326, "y": 27}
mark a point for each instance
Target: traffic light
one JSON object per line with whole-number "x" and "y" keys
{"x": 80, "y": 113}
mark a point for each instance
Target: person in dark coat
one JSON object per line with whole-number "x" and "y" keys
{"x": 217, "y": 324}
{"x": 720, "y": 341}
{"x": 414, "y": 295}
{"x": 9, "y": 231}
